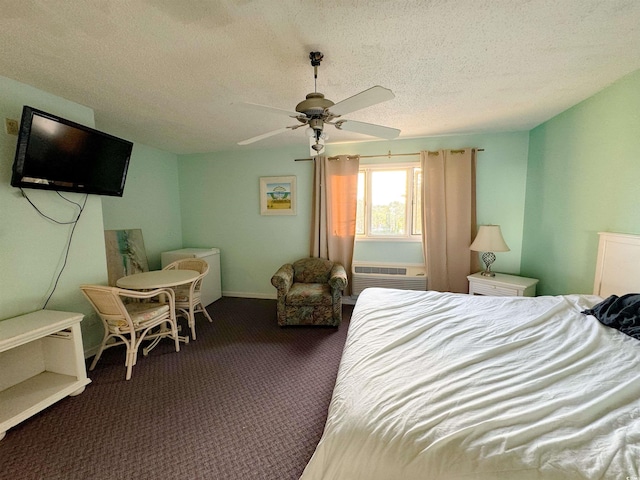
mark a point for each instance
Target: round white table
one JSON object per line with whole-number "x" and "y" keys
{"x": 157, "y": 279}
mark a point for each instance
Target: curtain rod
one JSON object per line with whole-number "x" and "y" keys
{"x": 388, "y": 155}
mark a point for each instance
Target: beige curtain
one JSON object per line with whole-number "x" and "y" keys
{"x": 335, "y": 188}
{"x": 449, "y": 217}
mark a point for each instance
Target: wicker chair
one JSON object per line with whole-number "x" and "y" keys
{"x": 310, "y": 292}
{"x": 189, "y": 297}
{"x": 131, "y": 322}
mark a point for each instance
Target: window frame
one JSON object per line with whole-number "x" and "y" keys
{"x": 410, "y": 168}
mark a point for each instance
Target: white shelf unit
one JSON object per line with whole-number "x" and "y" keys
{"x": 41, "y": 362}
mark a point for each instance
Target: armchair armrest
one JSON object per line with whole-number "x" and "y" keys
{"x": 338, "y": 277}
{"x": 283, "y": 279}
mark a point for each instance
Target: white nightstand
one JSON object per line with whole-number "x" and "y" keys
{"x": 502, "y": 285}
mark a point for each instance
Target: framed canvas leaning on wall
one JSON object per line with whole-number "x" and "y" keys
{"x": 125, "y": 252}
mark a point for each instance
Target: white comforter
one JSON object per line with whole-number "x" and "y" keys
{"x": 442, "y": 386}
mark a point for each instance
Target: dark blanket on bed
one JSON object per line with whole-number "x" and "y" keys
{"x": 621, "y": 313}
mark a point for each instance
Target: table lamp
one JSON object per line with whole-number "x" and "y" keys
{"x": 489, "y": 240}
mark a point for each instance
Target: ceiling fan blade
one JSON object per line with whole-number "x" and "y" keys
{"x": 364, "y": 99}
{"x": 368, "y": 129}
{"x": 265, "y": 108}
{"x": 265, "y": 135}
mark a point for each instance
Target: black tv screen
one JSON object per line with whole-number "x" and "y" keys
{"x": 58, "y": 154}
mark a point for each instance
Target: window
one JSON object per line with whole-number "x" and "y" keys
{"x": 389, "y": 199}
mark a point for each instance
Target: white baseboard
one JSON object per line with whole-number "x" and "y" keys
{"x": 267, "y": 296}
{"x": 347, "y": 300}
{"x": 91, "y": 352}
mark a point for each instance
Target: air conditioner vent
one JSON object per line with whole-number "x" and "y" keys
{"x": 403, "y": 277}
{"x": 381, "y": 270}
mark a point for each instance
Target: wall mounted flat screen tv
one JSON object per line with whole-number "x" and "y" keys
{"x": 58, "y": 154}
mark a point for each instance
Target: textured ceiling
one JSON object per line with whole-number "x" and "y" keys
{"x": 167, "y": 73}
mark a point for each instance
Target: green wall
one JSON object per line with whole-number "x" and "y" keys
{"x": 151, "y": 202}
{"x": 583, "y": 178}
{"x": 579, "y": 171}
{"x": 32, "y": 247}
{"x": 220, "y": 208}
{"x": 219, "y": 203}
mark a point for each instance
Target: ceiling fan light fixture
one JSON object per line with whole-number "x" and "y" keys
{"x": 316, "y": 123}
{"x": 315, "y": 111}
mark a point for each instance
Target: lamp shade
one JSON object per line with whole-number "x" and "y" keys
{"x": 489, "y": 239}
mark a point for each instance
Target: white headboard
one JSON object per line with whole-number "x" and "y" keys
{"x": 618, "y": 265}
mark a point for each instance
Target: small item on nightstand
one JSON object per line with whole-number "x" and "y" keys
{"x": 489, "y": 240}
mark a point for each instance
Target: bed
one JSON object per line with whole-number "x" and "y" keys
{"x": 449, "y": 386}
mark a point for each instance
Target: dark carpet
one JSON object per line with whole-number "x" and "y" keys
{"x": 246, "y": 400}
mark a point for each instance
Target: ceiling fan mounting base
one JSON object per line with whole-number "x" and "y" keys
{"x": 316, "y": 58}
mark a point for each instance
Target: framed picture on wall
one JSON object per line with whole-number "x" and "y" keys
{"x": 278, "y": 195}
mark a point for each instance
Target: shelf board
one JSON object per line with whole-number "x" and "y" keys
{"x": 27, "y": 398}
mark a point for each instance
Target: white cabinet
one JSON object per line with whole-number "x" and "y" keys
{"x": 41, "y": 362}
{"x": 502, "y": 285}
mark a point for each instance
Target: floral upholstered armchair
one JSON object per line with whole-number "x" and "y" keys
{"x": 310, "y": 292}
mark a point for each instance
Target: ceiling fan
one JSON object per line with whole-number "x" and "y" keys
{"x": 316, "y": 111}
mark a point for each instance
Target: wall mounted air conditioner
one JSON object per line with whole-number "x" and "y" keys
{"x": 388, "y": 275}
